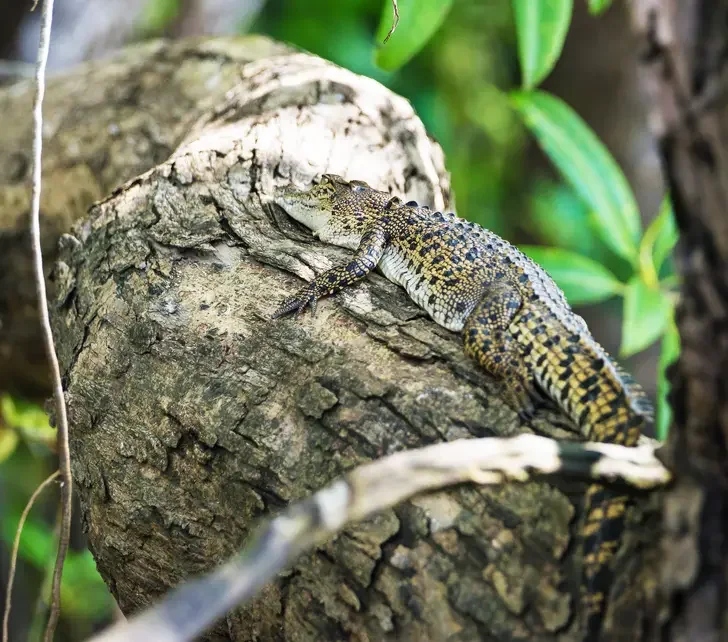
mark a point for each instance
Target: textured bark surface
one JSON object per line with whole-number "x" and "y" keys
{"x": 104, "y": 124}
{"x": 194, "y": 417}
{"x": 684, "y": 65}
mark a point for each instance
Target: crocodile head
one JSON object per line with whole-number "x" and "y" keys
{"x": 336, "y": 210}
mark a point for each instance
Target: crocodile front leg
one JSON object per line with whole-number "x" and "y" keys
{"x": 367, "y": 256}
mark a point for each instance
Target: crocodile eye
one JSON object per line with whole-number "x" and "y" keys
{"x": 393, "y": 202}
{"x": 358, "y": 188}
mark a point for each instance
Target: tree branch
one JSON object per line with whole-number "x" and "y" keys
{"x": 188, "y": 610}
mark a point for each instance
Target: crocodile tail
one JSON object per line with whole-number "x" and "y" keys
{"x": 604, "y": 509}
{"x": 604, "y": 521}
{"x": 635, "y": 394}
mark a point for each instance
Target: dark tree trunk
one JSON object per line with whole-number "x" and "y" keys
{"x": 684, "y": 70}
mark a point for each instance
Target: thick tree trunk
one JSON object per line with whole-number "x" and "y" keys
{"x": 181, "y": 389}
{"x": 684, "y": 67}
{"x": 194, "y": 416}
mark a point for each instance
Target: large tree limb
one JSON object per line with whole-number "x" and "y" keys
{"x": 367, "y": 490}
{"x": 163, "y": 424}
{"x": 194, "y": 416}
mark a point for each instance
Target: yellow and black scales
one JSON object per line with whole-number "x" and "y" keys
{"x": 515, "y": 322}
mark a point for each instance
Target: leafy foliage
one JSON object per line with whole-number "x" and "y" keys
{"x": 419, "y": 20}
{"x": 647, "y": 312}
{"x": 661, "y": 236}
{"x": 587, "y": 165}
{"x": 83, "y": 591}
{"x": 26, "y": 441}
{"x": 22, "y": 419}
{"x": 541, "y": 28}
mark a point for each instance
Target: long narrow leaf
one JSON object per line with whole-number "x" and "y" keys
{"x": 418, "y": 20}
{"x": 666, "y": 235}
{"x": 584, "y": 161}
{"x": 541, "y": 27}
{"x": 647, "y": 311}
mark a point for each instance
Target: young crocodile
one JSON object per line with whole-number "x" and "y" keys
{"x": 515, "y": 322}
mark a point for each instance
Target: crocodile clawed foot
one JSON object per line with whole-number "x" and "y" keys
{"x": 305, "y": 297}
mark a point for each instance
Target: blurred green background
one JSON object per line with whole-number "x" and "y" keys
{"x": 462, "y": 83}
{"x": 450, "y": 84}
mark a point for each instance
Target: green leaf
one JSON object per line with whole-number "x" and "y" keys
{"x": 646, "y": 313}
{"x": 36, "y": 541}
{"x": 27, "y": 417}
{"x": 584, "y": 161}
{"x": 657, "y": 243}
{"x": 582, "y": 279}
{"x": 158, "y": 14}
{"x": 598, "y": 6}
{"x": 669, "y": 351}
{"x": 82, "y": 590}
{"x": 8, "y": 442}
{"x": 666, "y": 234}
{"x": 541, "y": 26}
{"x": 418, "y": 20}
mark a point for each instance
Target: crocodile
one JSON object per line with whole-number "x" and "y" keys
{"x": 514, "y": 320}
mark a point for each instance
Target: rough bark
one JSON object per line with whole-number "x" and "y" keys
{"x": 105, "y": 123}
{"x": 684, "y": 44}
{"x": 194, "y": 417}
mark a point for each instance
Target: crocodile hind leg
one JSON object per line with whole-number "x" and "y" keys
{"x": 489, "y": 341}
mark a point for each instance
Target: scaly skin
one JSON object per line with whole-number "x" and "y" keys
{"x": 515, "y": 322}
